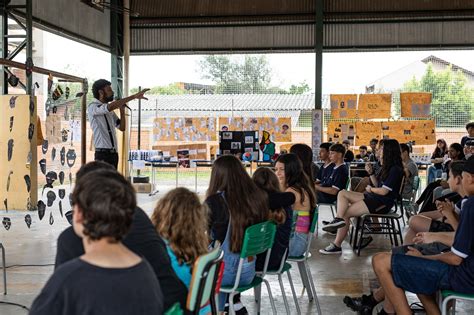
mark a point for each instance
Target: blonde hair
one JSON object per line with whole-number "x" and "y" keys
{"x": 182, "y": 220}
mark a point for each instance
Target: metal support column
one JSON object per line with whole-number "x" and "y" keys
{"x": 29, "y": 43}
{"x": 116, "y": 43}
{"x": 317, "y": 114}
{"x": 4, "y": 43}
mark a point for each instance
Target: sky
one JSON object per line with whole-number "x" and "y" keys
{"x": 342, "y": 72}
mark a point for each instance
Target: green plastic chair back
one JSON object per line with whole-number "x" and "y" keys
{"x": 314, "y": 222}
{"x": 293, "y": 223}
{"x": 174, "y": 310}
{"x": 416, "y": 183}
{"x": 204, "y": 269}
{"x": 258, "y": 238}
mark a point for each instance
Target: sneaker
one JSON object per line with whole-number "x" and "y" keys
{"x": 324, "y": 222}
{"x": 334, "y": 225}
{"x": 331, "y": 249}
{"x": 363, "y": 304}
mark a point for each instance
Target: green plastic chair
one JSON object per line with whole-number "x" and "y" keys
{"x": 302, "y": 263}
{"x": 202, "y": 289}
{"x": 448, "y": 295}
{"x": 174, "y": 310}
{"x": 258, "y": 239}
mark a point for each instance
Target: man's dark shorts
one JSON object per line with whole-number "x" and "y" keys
{"x": 426, "y": 249}
{"x": 419, "y": 275}
{"x": 439, "y": 226}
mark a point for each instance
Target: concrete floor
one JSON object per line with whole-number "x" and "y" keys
{"x": 335, "y": 276}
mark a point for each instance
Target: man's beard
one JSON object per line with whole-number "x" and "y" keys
{"x": 109, "y": 98}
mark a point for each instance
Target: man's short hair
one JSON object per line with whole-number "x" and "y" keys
{"x": 374, "y": 140}
{"x": 405, "y": 147}
{"x": 338, "y": 148}
{"x": 470, "y": 125}
{"x": 456, "y": 168}
{"x": 363, "y": 147}
{"x": 99, "y": 85}
{"x": 346, "y": 142}
{"x": 325, "y": 145}
{"x": 107, "y": 201}
{"x": 94, "y": 166}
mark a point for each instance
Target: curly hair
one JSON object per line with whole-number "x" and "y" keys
{"x": 181, "y": 219}
{"x": 107, "y": 202}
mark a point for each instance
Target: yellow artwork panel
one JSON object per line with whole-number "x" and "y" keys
{"x": 278, "y": 127}
{"x": 343, "y": 106}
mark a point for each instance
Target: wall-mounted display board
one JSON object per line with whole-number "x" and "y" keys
{"x": 416, "y": 104}
{"x": 18, "y": 179}
{"x": 239, "y": 142}
{"x": 343, "y": 106}
{"x": 184, "y": 129}
{"x": 340, "y": 131}
{"x": 421, "y": 132}
{"x": 374, "y": 106}
{"x": 278, "y": 127}
{"x": 366, "y": 131}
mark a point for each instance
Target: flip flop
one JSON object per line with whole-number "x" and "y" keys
{"x": 28, "y": 220}
{"x": 62, "y": 193}
{"x": 28, "y": 182}
{"x": 61, "y": 178}
{"x": 53, "y": 154}
{"x": 42, "y": 164}
{"x": 51, "y": 198}
{"x": 44, "y": 146}
{"x": 41, "y": 209}
{"x": 10, "y": 149}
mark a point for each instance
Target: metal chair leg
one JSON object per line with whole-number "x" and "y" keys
{"x": 313, "y": 288}
{"x": 231, "y": 303}
{"x": 295, "y": 298}
{"x": 258, "y": 297}
{"x": 305, "y": 280}
{"x": 272, "y": 302}
{"x": 283, "y": 294}
{"x": 4, "y": 270}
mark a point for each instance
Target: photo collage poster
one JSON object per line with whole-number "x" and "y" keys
{"x": 366, "y": 131}
{"x": 240, "y": 143}
{"x": 340, "y": 131}
{"x": 415, "y": 104}
{"x": 421, "y": 132}
{"x": 343, "y": 106}
{"x": 278, "y": 127}
{"x": 184, "y": 129}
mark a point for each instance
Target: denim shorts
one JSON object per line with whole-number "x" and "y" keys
{"x": 419, "y": 275}
{"x": 298, "y": 244}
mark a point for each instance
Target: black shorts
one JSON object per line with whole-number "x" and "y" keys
{"x": 439, "y": 226}
{"x": 375, "y": 205}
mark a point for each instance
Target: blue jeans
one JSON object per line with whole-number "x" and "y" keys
{"x": 434, "y": 173}
{"x": 231, "y": 263}
{"x": 298, "y": 244}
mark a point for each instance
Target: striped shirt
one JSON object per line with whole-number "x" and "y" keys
{"x": 303, "y": 221}
{"x": 98, "y": 113}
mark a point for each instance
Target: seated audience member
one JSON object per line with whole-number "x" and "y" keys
{"x": 142, "y": 239}
{"x": 181, "y": 220}
{"x": 450, "y": 270}
{"x": 469, "y": 149}
{"x": 359, "y": 183}
{"x": 363, "y": 155}
{"x": 305, "y": 154}
{"x": 378, "y": 199}
{"x": 427, "y": 198}
{"x": 235, "y": 203}
{"x": 349, "y": 156}
{"x": 470, "y": 133}
{"x": 437, "y": 158}
{"x": 410, "y": 171}
{"x": 328, "y": 189}
{"x": 326, "y": 169}
{"x": 280, "y": 212}
{"x": 289, "y": 170}
{"x": 445, "y": 219}
{"x": 373, "y": 153}
{"x": 108, "y": 278}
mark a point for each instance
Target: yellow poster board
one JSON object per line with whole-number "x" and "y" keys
{"x": 366, "y": 131}
{"x": 18, "y": 173}
{"x": 340, "y": 131}
{"x": 278, "y": 127}
{"x": 184, "y": 129}
{"x": 421, "y": 132}
{"x": 343, "y": 106}
{"x": 374, "y": 106}
{"x": 415, "y": 104}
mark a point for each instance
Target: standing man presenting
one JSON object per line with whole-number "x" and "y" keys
{"x": 103, "y": 120}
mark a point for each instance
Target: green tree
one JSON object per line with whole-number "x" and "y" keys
{"x": 170, "y": 89}
{"x": 452, "y": 98}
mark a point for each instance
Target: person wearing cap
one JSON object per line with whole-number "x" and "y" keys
{"x": 450, "y": 270}
{"x": 103, "y": 120}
